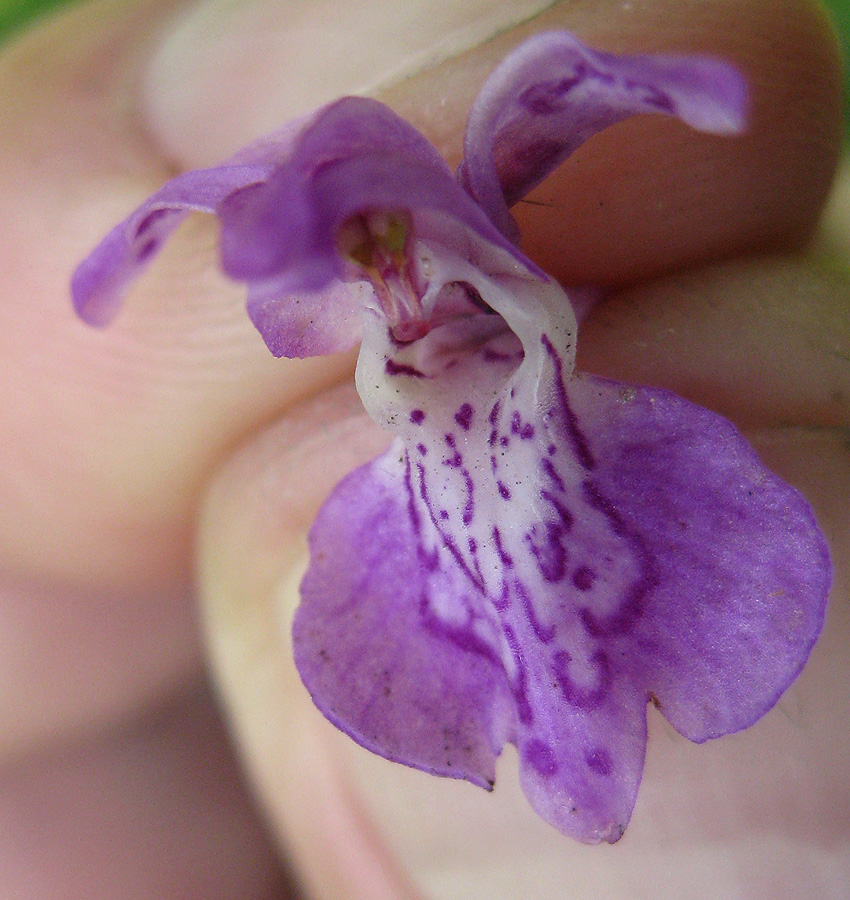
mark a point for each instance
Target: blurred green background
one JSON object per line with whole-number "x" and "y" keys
{"x": 16, "y": 13}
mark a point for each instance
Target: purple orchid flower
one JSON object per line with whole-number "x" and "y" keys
{"x": 541, "y": 553}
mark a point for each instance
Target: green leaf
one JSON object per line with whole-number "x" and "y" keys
{"x": 840, "y": 12}
{"x": 14, "y": 14}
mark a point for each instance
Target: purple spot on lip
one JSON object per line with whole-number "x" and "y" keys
{"x": 583, "y": 578}
{"x": 541, "y": 757}
{"x": 525, "y": 430}
{"x": 422, "y": 449}
{"x": 504, "y": 491}
{"x": 417, "y": 417}
{"x": 599, "y": 761}
{"x": 463, "y": 416}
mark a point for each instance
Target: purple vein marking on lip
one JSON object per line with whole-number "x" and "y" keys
{"x": 490, "y": 355}
{"x": 552, "y": 472}
{"x": 548, "y": 550}
{"x": 463, "y": 637}
{"x": 455, "y": 461}
{"x": 543, "y": 634}
{"x": 633, "y": 603}
{"x": 583, "y": 698}
{"x": 449, "y": 543}
{"x": 520, "y": 685}
{"x": 504, "y": 557}
{"x": 393, "y": 368}
{"x": 576, "y": 439}
{"x": 469, "y": 506}
{"x": 564, "y": 514}
{"x": 503, "y": 601}
{"x": 548, "y": 97}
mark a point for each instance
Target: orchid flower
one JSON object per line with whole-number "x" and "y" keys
{"x": 540, "y": 553}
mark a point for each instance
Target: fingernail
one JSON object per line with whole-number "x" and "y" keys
{"x": 225, "y": 73}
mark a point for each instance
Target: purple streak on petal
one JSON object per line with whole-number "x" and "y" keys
{"x": 544, "y": 634}
{"x": 552, "y": 94}
{"x": 394, "y": 368}
{"x": 573, "y": 434}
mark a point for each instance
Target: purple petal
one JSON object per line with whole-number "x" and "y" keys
{"x": 738, "y": 571}
{"x": 357, "y": 156}
{"x": 379, "y": 663}
{"x": 100, "y": 281}
{"x": 307, "y": 323}
{"x": 552, "y": 94}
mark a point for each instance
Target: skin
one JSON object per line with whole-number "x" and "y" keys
{"x": 157, "y": 478}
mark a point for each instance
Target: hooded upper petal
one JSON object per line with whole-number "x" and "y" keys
{"x": 553, "y": 93}
{"x": 356, "y": 156}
